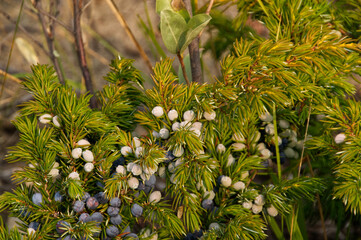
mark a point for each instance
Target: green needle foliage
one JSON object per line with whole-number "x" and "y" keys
{"x": 274, "y": 134}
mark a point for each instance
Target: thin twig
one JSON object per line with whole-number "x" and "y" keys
{"x": 278, "y": 158}
{"x": 193, "y": 47}
{"x": 183, "y": 68}
{"x": 77, "y": 6}
{"x": 11, "y": 48}
{"x": 66, "y": 27}
{"x": 28, "y": 35}
{"x": 304, "y": 140}
{"x": 193, "y": 50}
{"x": 49, "y": 32}
{"x": 15, "y": 79}
{"x": 209, "y": 7}
{"x": 318, "y": 202}
{"x": 124, "y": 24}
{"x": 292, "y": 222}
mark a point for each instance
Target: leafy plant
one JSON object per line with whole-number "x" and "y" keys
{"x": 274, "y": 134}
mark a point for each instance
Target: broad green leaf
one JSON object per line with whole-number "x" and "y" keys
{"x": 195, "y": 25}
{"x": 172, "y": 25}
{"x": 161, "y": 5}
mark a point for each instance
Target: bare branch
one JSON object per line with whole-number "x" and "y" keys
{"x": 183, "y": 68}
{"x": 124, "y": 24}
{"x": 66, "y": 27}
{"x": 209, "y": 7}
{"x": 11, "y": 49}
{"x": 193, "y": 49}
{"x": 77, "y": 6}
{"x": 49, "y": 32}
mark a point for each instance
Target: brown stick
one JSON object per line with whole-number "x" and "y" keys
{"x": 77, "y": 5}
{"x": 124, "y": 24}
{"x": 11, "y": 49}
{"x": 49, "y": 36}
{"x": 318, "y": 202}
{"x": 193, "y": 50}
{"x": 11, "y": 77}
{"x": 193, "y": 47}
{"x": 66, "y": 27}
{"x": 183, "y": 68}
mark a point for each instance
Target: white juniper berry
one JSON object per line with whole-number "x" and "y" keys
{"x": 155, "y": 134}
{"x": 83, "y": 143}
{"x": 256, "y": 137}
{"x": 244, "y": 174}
{"x": 230, "y": 160}
{"x": 173, "y": 179}
{"x": 178, "y": 151}
{"x": 133, "y": 183}
{"x": 214, "y": 226}
{"x": 149, "y": 170}
{"x": 270, "y": 129}
{"x": 172, "y": 114}
{"x": 130, "y": 166}
{"x": 209, "y": 195}
{"x": 155, "y": 197}
{"x": 136, "y": 142}
{"x": 221, "y": 148}
{"x": 164, "y": 133}
{"x": 175, "y": 126}
{"x": 247, "y": 205}
{"x": 226, "y": 181}
{"x": 238, "y": 146}
{"x": 239, "y": 186}
{"x": 261, "y": 146}
{"x": 238, "y": 137}
{"x": 45, "y": 118}
{"x": 209, "y": 115}
{"x": 56, "y": 121}
{"x": 171, "y": 167}
{"x": 126, "y": 150}
{"x": 260, "y": 200}
{"x": 185, "y": 124}
{"x": 188, "y": 115}
{"x": 266, "y": 117}
{"x": 88, "y": 167}
{"x": 138, "y": 152}
{"x": 196, "y": 127}
{"x": 257, "y": 208}
{"x": 272, "y": 211}
{"x": 265, "y": 153}
{"x": 161, "y": 172}
{"x": 121, "y": 169}
{"x": 136, "y": 170}
{"x": 158, "y": 111}
{"x": 283, "y": 124}
{"x": 289, "y": 152}
{"x": 74, "y": 175}
{"x": 76, "y": 153}
{"x": 88, "y": 156}
{"x": 31, "y": 231}
{"x": 279, "y": 140}
{"x": 54, "y": 173}
{"x": 340, "y": 138}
